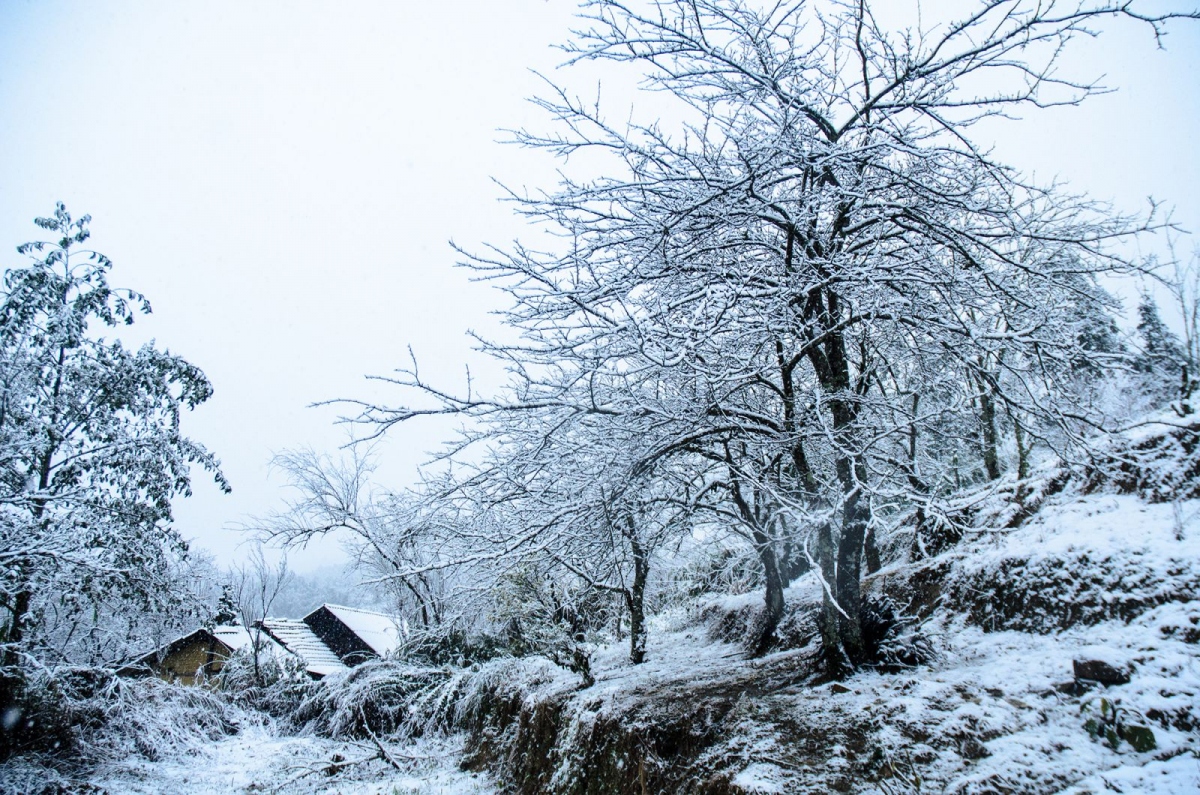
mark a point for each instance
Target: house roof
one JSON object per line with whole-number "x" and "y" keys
{"x": 378, "y": 630}
{"x": 286, "y": 637}
{"x": 297, "y": 638}
{"x": 229, "y": 639}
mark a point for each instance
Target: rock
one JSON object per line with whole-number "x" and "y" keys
{"x": 1103, "y": 671}
{"x": 1075, "y": 687}
{"x": 971, "y": 748}
{"x": 838, "y": 687}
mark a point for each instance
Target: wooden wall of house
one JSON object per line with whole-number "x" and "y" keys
{"x": 188, "y": 658}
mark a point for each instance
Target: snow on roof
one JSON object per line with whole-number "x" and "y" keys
{"x": 297, "y": 638}
{"x": 233, "y": 638}
{"x": 238, "y": 638}
{"x": 379, "y": 631}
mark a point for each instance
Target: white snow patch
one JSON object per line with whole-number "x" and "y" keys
{"x": 761, "y": 777}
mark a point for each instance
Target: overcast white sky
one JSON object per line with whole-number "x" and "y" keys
{"x": 281, "y": 180}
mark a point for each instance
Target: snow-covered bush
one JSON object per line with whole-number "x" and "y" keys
{"x": 893, "y": 639}
{"x": 80, "y": 717}
{"x": 383, "y": 697}
{"x": 1161, "y": 464}
{"x": 274, "y": 684}
{"x": 152, "y": 718}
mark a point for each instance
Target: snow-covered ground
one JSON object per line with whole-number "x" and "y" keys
{"x": 260, "y": 760}
{"x": 993, "y": 713}
{"x": 995, "y": 710}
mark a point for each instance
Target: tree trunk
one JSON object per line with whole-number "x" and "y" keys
{"x": 773, "y": 601}
{"x": 832, "y": 367}
{"x": 871, "y": 550}
{"x": 1022, "y": 450}
{"x": 991, "y": 441}
{"x": 16, "y": 627}
{"x": 635, "y": 600}
{"x": 772, "y": 576}
{"x": 838, "y": 666}
{"x": 855, "y": 518}
{"x": 11, "y": 677}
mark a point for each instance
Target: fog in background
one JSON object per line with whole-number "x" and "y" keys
{"x": 282, "y": 180}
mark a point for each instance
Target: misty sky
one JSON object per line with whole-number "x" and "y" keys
{"x": 282, "y": 180}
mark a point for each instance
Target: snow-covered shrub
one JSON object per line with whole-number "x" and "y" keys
{"x": 275, "y": 685}
{"x": 453, "y": 643}
{"x": 152, "y": 718}
{"x": 383, "y": 697}
{"x": 893, "y": 639}
{"x": 721, "y": 569}
{"x": 1160, "y": 464}
{"x": 545, "y": 616}
{"x": 81, "y": 717}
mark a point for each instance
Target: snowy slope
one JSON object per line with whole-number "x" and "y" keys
{"x": 1089, "y": 576}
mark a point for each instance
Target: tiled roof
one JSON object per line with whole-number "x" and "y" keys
{"x": 377, "y": 630}
{"x": 297, "y": 638}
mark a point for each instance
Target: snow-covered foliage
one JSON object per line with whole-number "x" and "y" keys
{"x": 77, "y": 720}
{"x": 275, "y": 683}
{"x": 90, "y": 456}
{"x": 796, "y": 313}
{"x": 384, "y": 698}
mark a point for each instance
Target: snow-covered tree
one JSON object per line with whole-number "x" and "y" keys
{"x": 816, "y": 276}
{"x": 1161, "y": 359}
{"x": 91, "y": 454}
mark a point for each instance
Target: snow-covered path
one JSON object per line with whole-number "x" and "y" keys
{"x": 258, "y": 760}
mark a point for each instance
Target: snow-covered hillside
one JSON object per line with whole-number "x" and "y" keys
{"x": 1104, "y": 577}
{"x": 1011, "y": 623}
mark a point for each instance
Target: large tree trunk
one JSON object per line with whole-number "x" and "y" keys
{"x": 832, "y": 367}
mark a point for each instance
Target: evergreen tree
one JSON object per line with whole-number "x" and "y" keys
{"x": 1161, "y": 361}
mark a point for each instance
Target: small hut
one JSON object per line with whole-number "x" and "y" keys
{"x": 199, "y": 655}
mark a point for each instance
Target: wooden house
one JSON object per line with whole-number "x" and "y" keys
{"x": 331, "y": 638}
{"x": 199, "y": 655}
